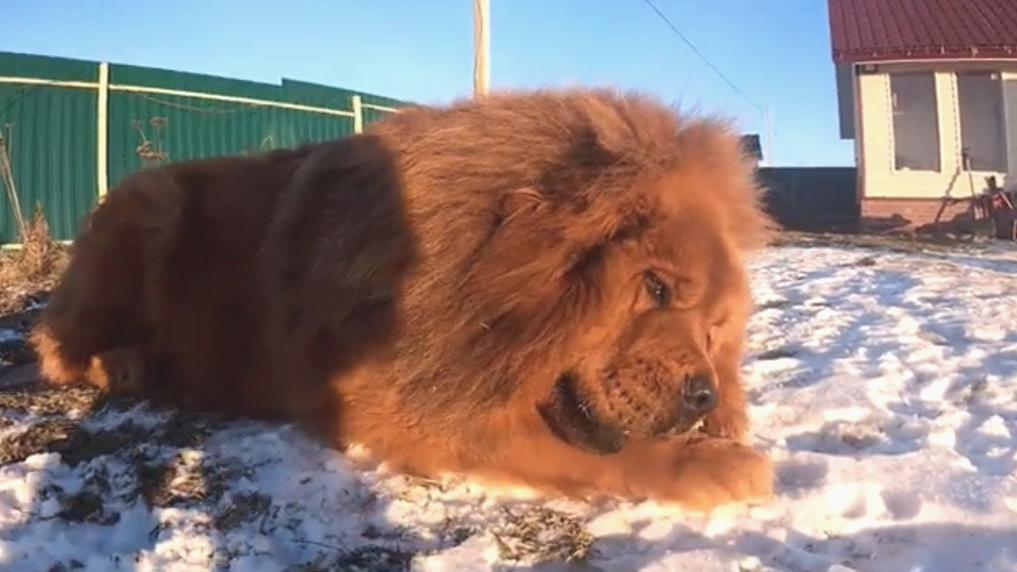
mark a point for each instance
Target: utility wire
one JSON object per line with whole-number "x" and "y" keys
{"x": 675, "y": 29}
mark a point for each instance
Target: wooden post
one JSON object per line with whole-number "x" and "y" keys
{"x": 481, "y": 47}
{"x": 358, "y": 114}
{"x": 102, "y": 131}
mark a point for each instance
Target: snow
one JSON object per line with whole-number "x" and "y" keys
{"x": 884, "y": 384}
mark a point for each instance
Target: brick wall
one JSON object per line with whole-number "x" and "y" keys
{"x": 912, "y": 214}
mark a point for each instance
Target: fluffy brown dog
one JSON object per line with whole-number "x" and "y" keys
{"x": 541, "y": 287}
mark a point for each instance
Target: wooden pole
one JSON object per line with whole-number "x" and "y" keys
{"x": 102, "y": 132}
{"x": 481, "y": 47}
{"x": 358, "y": 114}
{"x": 769, "y": 137}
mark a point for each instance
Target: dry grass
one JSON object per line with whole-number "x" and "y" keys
{"x": 541, "y": 535}
{"x": 33, "y": 268}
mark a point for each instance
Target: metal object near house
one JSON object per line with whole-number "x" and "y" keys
{"x": 997, "y": 205}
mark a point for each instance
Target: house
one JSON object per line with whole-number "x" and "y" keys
{"x": 752, "y": 147}
{"x": 928, "y": 91}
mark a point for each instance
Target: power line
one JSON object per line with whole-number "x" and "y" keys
{"x": 702, "y": 57}
{"x": 765, "y": 110}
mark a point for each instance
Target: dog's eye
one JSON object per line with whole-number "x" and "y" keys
{"x": 659, "y": 292}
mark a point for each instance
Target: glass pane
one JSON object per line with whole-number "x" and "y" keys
{"x": 915, "y": 121}
{"x": 983, "y": 126}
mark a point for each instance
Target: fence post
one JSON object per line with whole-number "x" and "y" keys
{"x": 358, "y": 114}
{"x": 102, "y": 131}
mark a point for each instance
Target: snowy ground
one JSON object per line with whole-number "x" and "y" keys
{"x": 885, "y": 385}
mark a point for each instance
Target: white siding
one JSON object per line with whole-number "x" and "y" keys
{"x": 1010, "y": 93}
{"x": 881, "y": 180}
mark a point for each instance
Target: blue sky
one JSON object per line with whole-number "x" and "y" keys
{"x": 775, "y": 51}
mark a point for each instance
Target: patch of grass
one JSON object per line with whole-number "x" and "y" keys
{"x": 861, "y": 436}
{"x": 58, "y": 432}
{"x": 542, "y": 535}
{"x": 974, "y": 391}
{"x": 43, "y": 400}
{"x": 38, "y": 438}
{"x": 371, "y": 558}
{"x": 85, "y": 506}
{"x": 71, "y": 565}
{"x": 153, "y": 482}
{"x": 185, "y": 429}
{"x": 774, "y": 304}
{"x": 866, "y": 261}
{"x": 33, "y": 268}
{"x": 317, "y": 565}
{"x": 243, "y": 507}
{"x": 374, "y": 559}
{"x": 26, "y": 276}
{"x": 82, "y": 446}
{"x": 15, "y": 352}
{"x": 777, "y": 353}
{"x": 453, "y": 534}
{"x": 189, "y": 479}
{"x": 364, "y": 559}
{"x": 162, "y": 467}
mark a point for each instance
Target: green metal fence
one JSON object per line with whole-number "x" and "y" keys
{"x": 72, "y": 129}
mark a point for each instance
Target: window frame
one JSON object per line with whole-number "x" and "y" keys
{"x": 938, "y": 167}
{"x": 996, "y": 75}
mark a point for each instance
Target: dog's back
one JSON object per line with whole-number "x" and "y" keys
{"x": 163, "y": 277}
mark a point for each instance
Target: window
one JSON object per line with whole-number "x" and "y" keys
{"x": 982, "y": 123}
{"x": 915, "y": 121}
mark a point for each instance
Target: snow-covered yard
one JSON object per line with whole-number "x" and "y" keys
{"x": 884, "y": 384}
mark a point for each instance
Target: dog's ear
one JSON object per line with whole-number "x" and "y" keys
{"x": 597, "y": 183}
{"x": 545, "y": 236}
{"x": 582, "y": 162}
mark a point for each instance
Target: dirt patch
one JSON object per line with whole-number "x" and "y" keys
{"x": 66, "y": 421}
{"x": 125, "y": 453}
{"x": 901, "y": 243}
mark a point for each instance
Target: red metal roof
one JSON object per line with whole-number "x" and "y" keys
{"x": 866, "y": 30}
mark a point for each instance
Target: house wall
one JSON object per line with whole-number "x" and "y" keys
{"x": 910, "y": 198}
{"x": 845, "y": 75}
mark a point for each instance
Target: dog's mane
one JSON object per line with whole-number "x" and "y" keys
{"x": 567, "y": 164}
{"x": 582, "y": 143}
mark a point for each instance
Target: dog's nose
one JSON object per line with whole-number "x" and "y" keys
{"x": 700, "y": 393}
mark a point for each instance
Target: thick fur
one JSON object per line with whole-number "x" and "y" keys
{"x": 461, "y": 289}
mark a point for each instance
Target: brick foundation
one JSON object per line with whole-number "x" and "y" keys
{"x": 910, "y": 215}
